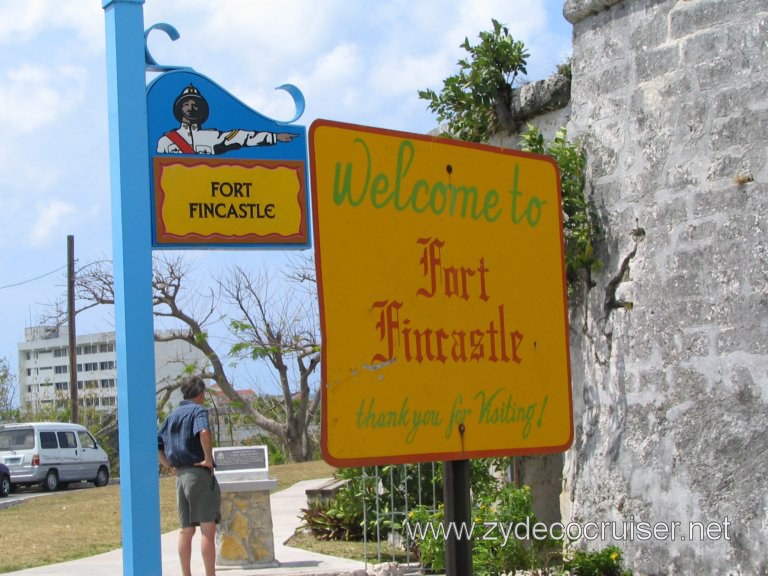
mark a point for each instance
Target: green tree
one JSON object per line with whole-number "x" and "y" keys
{"x": 7, "y": 389}
{"x": 476, "y": 103}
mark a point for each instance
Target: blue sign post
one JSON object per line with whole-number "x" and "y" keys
{"x": 131, "y": 233}
{"x": 256, "y": 199}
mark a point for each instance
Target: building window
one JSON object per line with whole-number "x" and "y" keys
{"x": 60, "y": 370}
{"x": 87, "y": 349}
{"x": 90, "y": 366}
{"x": 107, "y": 382}
{"x": 60, "y": 352}
{"x": 108, "y": 365}
{"x": 109, "y": 347}
{"x": 62, "y": 385}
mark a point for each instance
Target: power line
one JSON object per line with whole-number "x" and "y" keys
{"x": 32, "y": 279}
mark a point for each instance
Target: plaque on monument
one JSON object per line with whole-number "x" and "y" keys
{"x": 240, "y": 458}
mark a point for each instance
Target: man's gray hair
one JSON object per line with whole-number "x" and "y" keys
{"x": 191, "y": 387}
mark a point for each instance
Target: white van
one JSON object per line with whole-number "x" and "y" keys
{"x": 52, "y": 454}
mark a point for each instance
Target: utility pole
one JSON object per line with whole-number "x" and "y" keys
{"x": 72, "y": 333}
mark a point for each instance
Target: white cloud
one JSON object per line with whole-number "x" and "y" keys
{"x": 522, "y": 18}
{"x": 256, "y": 36}
{"x": 330, "y": 74}
{"x": 341, "y": 66}
{"x": 48, "y": 220}
{"x": 21, "y": 21}
{"x": 272, "y": 30}
{"x": 405, "y": 76}
{"x": 36, "y": 96}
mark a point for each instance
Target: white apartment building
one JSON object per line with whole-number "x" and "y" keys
{"x": 44, "y": 368}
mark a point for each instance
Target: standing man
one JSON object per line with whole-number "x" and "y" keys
{"x": 184, "y": 444}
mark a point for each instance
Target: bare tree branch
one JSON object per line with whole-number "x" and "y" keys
{"x": 278, "y": 328}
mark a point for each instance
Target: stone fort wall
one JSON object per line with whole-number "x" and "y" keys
{"x": 670, "y": 347}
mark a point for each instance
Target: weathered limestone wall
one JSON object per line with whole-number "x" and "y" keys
{"x": 670, "y": 352}
{"x": 544, "y": 103}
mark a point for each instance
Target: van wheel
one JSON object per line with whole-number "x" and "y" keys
{"x": 102, "y": 477}
{"x": 5, "y": 486}
{"x": 51, "y": 481}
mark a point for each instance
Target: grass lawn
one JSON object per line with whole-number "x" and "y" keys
{"x": 78, "y": 523}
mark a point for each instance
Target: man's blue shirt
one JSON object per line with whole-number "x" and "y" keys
{"x": 179, "y": 436}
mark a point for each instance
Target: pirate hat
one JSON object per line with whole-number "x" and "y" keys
{"x": 191, "y": 93}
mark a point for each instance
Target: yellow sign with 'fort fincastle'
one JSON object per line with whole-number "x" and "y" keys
{"x": 229, "y": 201}
{"x": 442, "y": 298}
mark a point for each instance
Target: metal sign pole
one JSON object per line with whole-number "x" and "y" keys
{"x": 131, "y": 245}
{"x": 458, "y": 512}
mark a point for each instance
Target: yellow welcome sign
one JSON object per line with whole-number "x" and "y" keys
{"x": 442, "y": 298}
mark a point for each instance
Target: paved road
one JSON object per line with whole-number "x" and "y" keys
{"x": 24, "y": 493}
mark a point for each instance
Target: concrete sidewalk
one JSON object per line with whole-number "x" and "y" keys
{"x": 285, "y": 504}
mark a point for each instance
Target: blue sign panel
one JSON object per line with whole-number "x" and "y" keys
{"x": 223, "y": 175}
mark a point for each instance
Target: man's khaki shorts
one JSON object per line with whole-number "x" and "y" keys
{"x": 198, "y": 496}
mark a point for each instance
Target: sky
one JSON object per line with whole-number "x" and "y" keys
{"x": 355, "y": 61}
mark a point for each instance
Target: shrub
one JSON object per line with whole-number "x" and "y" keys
{"x": 327, "y": 523}
{"x": 580, "y": 227}
{"x": 353, "y": 513}
{"x": 606, "y": 562}
{"x": 475, "y": 103}
{"x": 494, "y": 551}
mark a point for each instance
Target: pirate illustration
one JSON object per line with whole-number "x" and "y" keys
{"x": 191, "y": 110}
